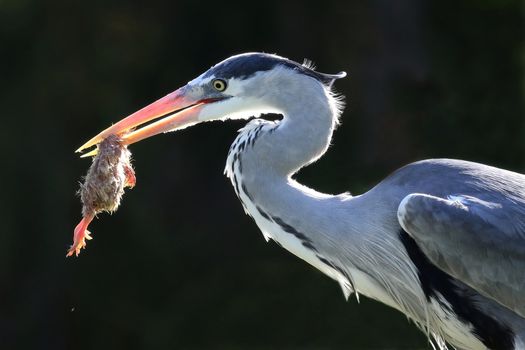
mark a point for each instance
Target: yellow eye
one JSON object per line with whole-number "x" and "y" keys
{"x": 219, "y": 85}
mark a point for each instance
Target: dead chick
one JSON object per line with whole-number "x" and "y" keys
{"x": 103, "y": 186}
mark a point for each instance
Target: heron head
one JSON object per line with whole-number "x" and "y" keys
{"x": 241, "y": 86}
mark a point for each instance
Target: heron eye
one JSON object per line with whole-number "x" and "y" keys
{"x": 219, "y": 85}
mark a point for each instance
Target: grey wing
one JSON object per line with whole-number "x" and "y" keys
{"x": 479, "y": 243}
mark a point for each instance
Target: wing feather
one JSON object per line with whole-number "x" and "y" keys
{"x": 480, "y": 243}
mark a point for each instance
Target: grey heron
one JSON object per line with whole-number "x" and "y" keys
{"x": 441, "y": 240}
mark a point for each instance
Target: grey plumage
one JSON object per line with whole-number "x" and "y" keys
{"x": 442, "y": 241}
{"x": 355, "y": 240}
{"x": 475, "y": 234}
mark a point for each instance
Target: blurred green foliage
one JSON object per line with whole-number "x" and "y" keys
{"x": 180, "y": 265}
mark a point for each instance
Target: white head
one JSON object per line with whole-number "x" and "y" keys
{"x": 241, "y": 86}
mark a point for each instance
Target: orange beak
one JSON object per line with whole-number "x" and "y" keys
{"x": 176, "y": 110}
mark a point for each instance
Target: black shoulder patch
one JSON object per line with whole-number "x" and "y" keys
{"x": 492, "y": 333}
{"x": 246, "y": 65}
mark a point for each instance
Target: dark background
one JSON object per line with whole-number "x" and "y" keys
{"x": 180, "y": 266}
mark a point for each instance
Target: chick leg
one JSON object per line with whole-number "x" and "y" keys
{"x": 80, "y": 235}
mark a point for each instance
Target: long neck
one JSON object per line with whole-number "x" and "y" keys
{"x": 314, "y": 226}
{"x": 339, "y": 235}
{"x": 301, "y": 137}
{"x": 265, "y": 154}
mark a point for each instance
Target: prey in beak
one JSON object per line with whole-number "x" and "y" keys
{"x": 239, "y": 87}
{"x": 111, "y": 171}
{"x": 103, "y": 187}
